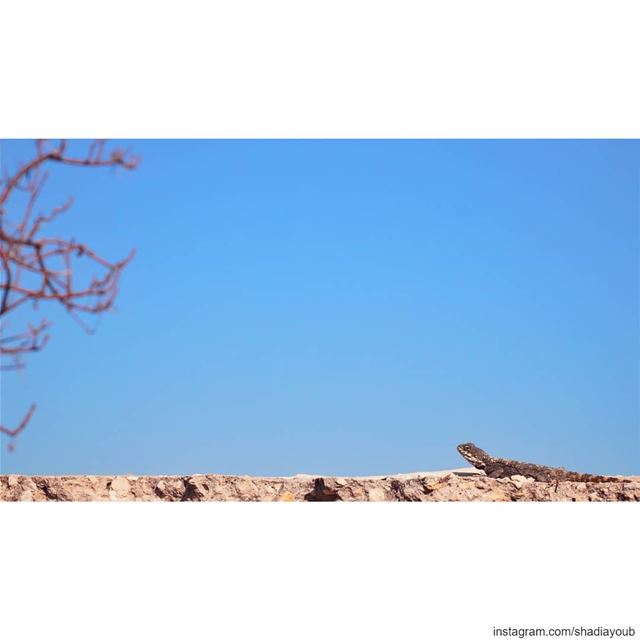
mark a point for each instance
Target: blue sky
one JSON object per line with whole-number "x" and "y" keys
{"x": 346, "y": 307}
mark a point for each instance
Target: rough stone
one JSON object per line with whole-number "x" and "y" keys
{"x": 463, "y": 486}
{"x": 120, "y": 488}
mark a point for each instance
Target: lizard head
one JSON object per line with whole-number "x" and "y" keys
{"x": 476, "y": 456}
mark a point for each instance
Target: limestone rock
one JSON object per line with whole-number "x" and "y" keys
{"x": 458, "y": 486}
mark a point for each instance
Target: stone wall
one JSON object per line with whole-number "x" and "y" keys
{"x": 417, "y": 487}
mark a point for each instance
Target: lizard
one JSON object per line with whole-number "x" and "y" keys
{"x": 502, "y": 468}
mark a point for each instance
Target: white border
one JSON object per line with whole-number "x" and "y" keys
{"x": 337, "y": 68}
{"x": 291, "y": 571}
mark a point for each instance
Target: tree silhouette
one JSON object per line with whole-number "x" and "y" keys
{"x": 38, "y": 268}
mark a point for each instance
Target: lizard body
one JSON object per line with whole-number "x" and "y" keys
{"x": 503, "y": 468}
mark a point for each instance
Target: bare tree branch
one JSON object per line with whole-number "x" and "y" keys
{"x": 36, "y": 267}
{"x": 25, "y": 421}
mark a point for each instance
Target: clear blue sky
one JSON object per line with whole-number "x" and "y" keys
{"x": 346, "y": 307}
